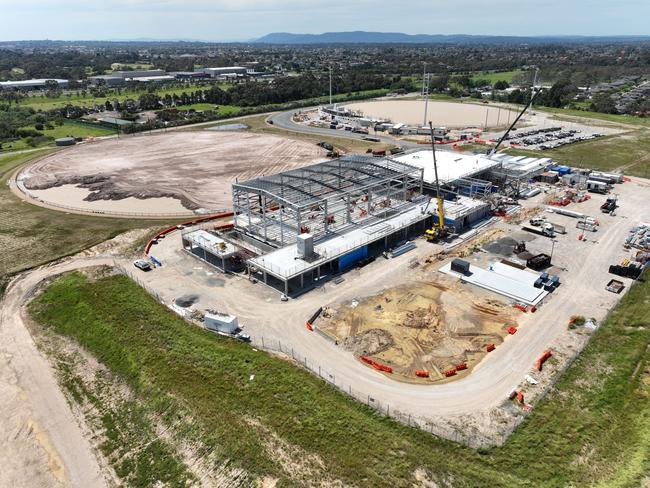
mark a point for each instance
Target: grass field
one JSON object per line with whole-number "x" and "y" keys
{"x": 628, "y": 152}
{"x": 494, "y": 76}
{"x": 593, "y": 429}
{"x": 225, "y": 110}
{"x": 69, "y": 128}
{"x": 47, "y": 103}
{"x": 597, "y": 116}
{"x": 31, "y": 235}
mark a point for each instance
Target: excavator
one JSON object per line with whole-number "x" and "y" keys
{"x": 437, "y": 231}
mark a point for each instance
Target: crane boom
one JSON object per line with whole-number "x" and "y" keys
{"x": 441, "y": 220}
{"x": 505, "y": 134}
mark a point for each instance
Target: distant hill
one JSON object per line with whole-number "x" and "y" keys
{"x": 362, "y": 37}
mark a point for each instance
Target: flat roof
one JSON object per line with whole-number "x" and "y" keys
{"x": 285, "y": 264}
{"x": 451, "y": 165}
{"x": 503, "y": 279}
{"x": 39, "y": 81}
{"x": 211, "y": 242}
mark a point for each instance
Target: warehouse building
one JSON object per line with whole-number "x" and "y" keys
{"x": 225, "y": 71}
{"x": 36, "y": 84}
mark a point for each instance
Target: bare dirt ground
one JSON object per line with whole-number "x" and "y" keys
{"x": 432, "y": 325}
{"x": 446, "y": 114}
{"x": 194, "y": 168}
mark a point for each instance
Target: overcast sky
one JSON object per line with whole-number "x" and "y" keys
{"x": 238, "y": 20}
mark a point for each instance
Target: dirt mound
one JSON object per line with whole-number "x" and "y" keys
{"x": 423, "y": 318}
{"x": 195, "y": 168}
{"x": 372, "y": 341}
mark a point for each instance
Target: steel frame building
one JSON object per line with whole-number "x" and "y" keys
{"x": 325, "y": 198}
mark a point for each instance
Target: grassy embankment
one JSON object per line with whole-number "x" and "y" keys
{"x": 593, "y": 429}
{"x": 31, "y": 235}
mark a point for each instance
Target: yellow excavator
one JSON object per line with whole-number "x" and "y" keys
{"x": 437, "y": 231}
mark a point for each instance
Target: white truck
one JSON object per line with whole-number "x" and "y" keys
{"x": 544, "y": 229}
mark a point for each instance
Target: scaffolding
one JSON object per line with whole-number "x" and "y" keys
{"x": 325, "y": 198}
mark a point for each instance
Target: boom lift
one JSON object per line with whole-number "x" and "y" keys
{"x": 439, "y": 231}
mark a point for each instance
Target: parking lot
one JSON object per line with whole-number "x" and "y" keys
{"x": 549, "y": 137}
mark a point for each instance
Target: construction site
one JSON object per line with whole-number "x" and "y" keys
{"x": 412, "y": 278}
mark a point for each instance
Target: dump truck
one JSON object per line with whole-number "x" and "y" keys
{"x": 545, "y": 229}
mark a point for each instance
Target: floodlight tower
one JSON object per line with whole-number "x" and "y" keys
{"x": 535, "y": 81}
{"x": 330, "y": 84}
{"x": 425, "y": 93}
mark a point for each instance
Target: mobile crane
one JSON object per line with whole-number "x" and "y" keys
{"x": 437, "y": 231}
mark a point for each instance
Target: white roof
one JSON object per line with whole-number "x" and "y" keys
{"x": 503, "y": 279}
{"x": 40, "y": 81}
{"x": 153, "y": 78}
{"x": 283, "y": 262}
{"x": 451, "y": 165}
{"x": 209, "y": 241}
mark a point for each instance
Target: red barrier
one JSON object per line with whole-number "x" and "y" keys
{"x": 378, "y": 366}
{"x": 461, "y": 366}
{"x": 162, "y": 233}
{"x": 512, "y": 330}
{"x": 542, "y": 359}
{"x": 422, "y": 373}
{"x": 520, "y": 396}
{"x": 521, "y": 307}
{"x": 490, "y": 347}
{"x": 450, "y": 372}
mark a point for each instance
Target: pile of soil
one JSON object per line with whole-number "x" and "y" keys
{"x": 372, "y": 341}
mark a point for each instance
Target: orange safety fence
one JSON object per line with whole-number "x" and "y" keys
{"x": 191, "y": 222}
{"x": 542, "y": 359}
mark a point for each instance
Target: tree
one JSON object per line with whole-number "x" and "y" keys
{"x": 501, "y": 85}
{"x": 603, "y": 103}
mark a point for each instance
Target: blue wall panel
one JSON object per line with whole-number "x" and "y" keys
{"x": 350, "y": 259}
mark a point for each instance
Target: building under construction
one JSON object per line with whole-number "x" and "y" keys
{"x": 322, "y": 219}
{"x": 295, "y": 228}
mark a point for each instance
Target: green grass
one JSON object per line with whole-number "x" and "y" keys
{"x": 628, "y": 152}
{"x": 40, "y": 102}
{"x": 77, "y": 129}
{"x": 592, "y": 429}
{"x": 597, "y": 116}
{"x": 69, "y": 128}
{"x": 494, "y": 76}
{"x": 225, "y": 110}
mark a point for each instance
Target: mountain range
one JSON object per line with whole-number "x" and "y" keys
{"x": 363, "y": 37}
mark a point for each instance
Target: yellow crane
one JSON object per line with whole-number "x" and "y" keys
{"x": 439, "y": 231}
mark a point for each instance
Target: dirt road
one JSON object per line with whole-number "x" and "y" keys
{"x": 41, "y": 442}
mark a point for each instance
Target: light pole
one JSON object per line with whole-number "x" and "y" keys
{"x": 553, "y": 241}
